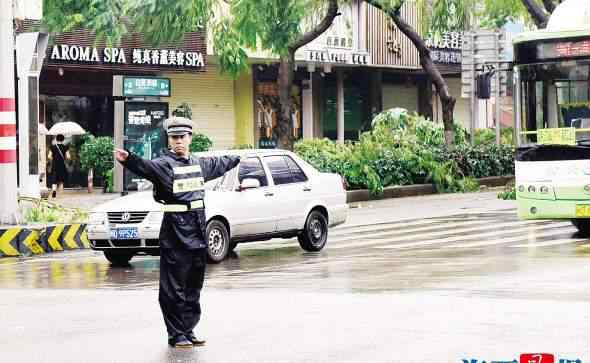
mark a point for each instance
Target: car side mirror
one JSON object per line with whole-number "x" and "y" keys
{"x": 249, "y": 183}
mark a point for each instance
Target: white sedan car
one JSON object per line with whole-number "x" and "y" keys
{"x": 272, "y": 193}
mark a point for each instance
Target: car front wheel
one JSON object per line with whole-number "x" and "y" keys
{"x": 118, "y": 258}
{"x": 315, "y": 235}
{"x": 218, "y": 243}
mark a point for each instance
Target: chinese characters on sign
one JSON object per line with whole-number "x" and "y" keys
{"x": 155, "y": 57}
{"x": 573, "y": 49}
{"x": 337, "y": 42}
{"x": 563, "y": 49}
{"x": 393, "y": 44}
{"x": 134, "y": 86}
{"x": 447, "y": 49}
{"x": 557, "y": 136}
{"x": 139, "y": 118}
{"x": 165, "y": 57}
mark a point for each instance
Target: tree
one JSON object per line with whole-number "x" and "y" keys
{"x": 447, "y": 15}
{"x": 499, "y": 12}
{"x": 159, "y": 20}
{"x": 282, "y": 28}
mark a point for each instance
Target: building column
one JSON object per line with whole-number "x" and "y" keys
{"x": 244, "y": 106}
{"x": 8, "y": 168}
{"x": 307, "y": 97}
{"x": 118, "y": 180}
{"x": 318, "y": 105}
{"x": 340, "y": 106}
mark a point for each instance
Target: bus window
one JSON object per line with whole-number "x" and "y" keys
{"x": 554, "y": 95}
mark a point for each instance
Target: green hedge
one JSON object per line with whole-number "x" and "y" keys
{"x": 403, "y": 149}
{"x": 200, "y": 143}
{"x": 97, "y": 153}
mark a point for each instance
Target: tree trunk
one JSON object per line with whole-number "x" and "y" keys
{"x": 539, "y": 16}
{"x": 447, "y": 101}
{"x": 284, "y": 129}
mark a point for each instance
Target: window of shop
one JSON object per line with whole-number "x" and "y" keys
{"x": 267, "y": 110}
{"x": 355, "y": 111}
{"x": 93, "y": 113}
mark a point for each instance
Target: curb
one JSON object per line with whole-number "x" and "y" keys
{"x": 363, "y": 195}
{"x": 28, "y": 241}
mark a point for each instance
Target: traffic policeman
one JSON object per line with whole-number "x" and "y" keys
{"x": 178, "y": 178}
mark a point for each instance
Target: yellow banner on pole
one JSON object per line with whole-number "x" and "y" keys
{"x": 558, "y": 136}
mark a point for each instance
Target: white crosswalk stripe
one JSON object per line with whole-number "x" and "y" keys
{"x": 435, "y": 237}
{"x": 478, "y": 236}
{"x": 464, "y": 231}
{"x": 553, "y": 231}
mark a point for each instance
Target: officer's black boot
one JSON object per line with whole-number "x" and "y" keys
{"x": 196, "y": 342}
{"x": 180, "y": 341}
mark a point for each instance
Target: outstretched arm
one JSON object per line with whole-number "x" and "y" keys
{"x": 148, "y": 169}
{"x": 216, "y": 166}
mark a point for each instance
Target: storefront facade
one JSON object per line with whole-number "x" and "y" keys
{"x": 361, "y": 65}
{"x": 330, "y": 87}
{"x": 115, "y": 91}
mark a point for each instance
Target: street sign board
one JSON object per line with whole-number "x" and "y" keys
{"x": 146, "y": 86}
{"x": 480, "y": 48}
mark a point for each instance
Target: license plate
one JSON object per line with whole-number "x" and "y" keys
{"x": 583, "y": 210}
{"x": 124, "y": 233}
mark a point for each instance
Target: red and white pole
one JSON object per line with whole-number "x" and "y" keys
{"x": 8, "y": 166}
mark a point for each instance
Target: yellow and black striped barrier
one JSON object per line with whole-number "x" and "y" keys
{"x": 28, "y": 241}
{"x": 9, "y": 242}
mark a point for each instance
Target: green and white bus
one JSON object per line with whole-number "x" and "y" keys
{"x": 552, "y": 118}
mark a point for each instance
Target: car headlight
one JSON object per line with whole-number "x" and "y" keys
{"x": 97, "y": 218}
{"x": 155, "y": 217}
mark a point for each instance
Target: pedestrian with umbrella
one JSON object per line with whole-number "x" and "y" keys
{"x": 59, "y": 154}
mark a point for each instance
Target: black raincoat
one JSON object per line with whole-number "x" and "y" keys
{"x": 178, "y": 182}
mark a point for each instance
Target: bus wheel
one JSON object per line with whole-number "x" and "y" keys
{"x": 583, "y": 226}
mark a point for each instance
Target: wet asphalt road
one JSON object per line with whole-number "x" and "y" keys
{"x": 431, "y": 279}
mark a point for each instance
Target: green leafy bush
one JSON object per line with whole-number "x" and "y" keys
{"x": 482, "y": 161}
{"x": 41, "y": 211}
{"x": 508, "y": 194}
{"x": 109, "y": 181}
{"x": 406, "y": 149}
{"x": 200, "y": 143}
{"x": 488, "y": 136}
{"x": 97, "y": 153}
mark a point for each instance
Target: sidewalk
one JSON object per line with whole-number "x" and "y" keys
{"x": 81, "y": 199}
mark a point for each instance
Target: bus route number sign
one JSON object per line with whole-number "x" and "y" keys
{"x": 557, "y": 136}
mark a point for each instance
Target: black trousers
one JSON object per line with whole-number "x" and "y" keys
{"x": 182, "y": 273}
